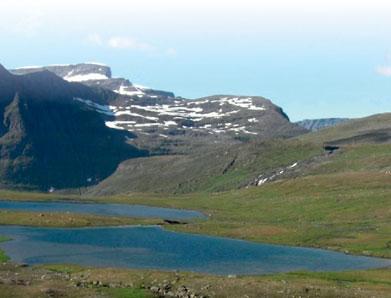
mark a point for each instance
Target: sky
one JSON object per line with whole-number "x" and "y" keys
{"x": 315, "y": 59}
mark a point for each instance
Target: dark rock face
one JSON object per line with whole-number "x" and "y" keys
{"x": 66, "y": 126}
{"x": 49, "y": 140}
{"x": 71, "y": 72}
{"x": 165, "y": 123}
{"x": 317, "y": 124}
{"x": 96, "y": 75}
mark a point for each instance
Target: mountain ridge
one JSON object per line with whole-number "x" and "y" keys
{"x": 88, "y": 117}
{"x": 49, "y": 141}
{"x": 318, "y": 124}
{"x": 168, "y": 122}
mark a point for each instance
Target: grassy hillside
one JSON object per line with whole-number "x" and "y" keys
{"x": 349, "y": 129}
{"x": 358, "y": 158}
{"x": 339, "y": 201}
{"x": 211, "y": 170}
{"x": 222, "y": 168}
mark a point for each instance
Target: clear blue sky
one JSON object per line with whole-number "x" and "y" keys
{"x": 313, "y": 58}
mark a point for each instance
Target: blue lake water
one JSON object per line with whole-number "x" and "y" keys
{"x": 154, "y": 247}
{"x": 102, "y": 209}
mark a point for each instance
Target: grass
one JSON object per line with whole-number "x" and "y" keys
{"x": 60, "y": 290}
{"x": 57, "y": 219}
{"x": 63, "y": 268}
{"x": 369, "y": 283}
{"x": 257, "y": 158}
{"x": 350, "y": 129}
{"x": 366, "y": 157}
{"x": 125, "y": 293}
{"x": 217, "y": 169}
{"x": 374, "y": 277}
{"x": 3, "y": 256}
{"x": 345, "y": 211}
{"x": 35, "y": 196}
{"x": 341, "y": 204}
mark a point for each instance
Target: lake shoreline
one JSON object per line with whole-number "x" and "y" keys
{"x": 122, "y": 244}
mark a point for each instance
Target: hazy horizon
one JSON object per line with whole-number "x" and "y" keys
{"x": 315, "y": 60}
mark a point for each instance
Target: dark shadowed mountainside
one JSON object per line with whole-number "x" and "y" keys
{"x": 68, "y": 126}
{"x": 50, "y": 140}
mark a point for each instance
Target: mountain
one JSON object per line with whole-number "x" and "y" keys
{"x": 217, "y": 168}
{"x": 72, "y": 126}
{"x": 360, "y": 144}
{"x": 372, "y": 129}
{"x": 48, "y": 139}
{"x": 165, "y": 124}
{"x": 317, "y": 124}
{"x": 95, "y": 74}
{"x": 69, "y": 126}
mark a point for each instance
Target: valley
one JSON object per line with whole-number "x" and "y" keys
{"x": 346, "y": 213}
{"x": 236, "y": 159}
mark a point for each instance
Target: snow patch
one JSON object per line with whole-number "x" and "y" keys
{"x": 114, "y": 125}
{"x": 122, "y": 90}
{"x": 96, "y": 63}
{"x": 242, "y": 129}
{"x": 246, "y": 103}
{"x": 262, "y": 181}
{"x": 85, "y": 77}
{"x": 137, "y": 86}
{"x": 29, "y": 67}
{"x": 99, "y": 108}
{"x": 147, "y": 124}
{"x": 129, "y": 113}
{"x": 169, "y": 123}
{"x": 293, "y": 165}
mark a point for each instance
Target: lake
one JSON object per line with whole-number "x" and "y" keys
{"x": 102, "y": 209}
{"x": 156, "y": 248}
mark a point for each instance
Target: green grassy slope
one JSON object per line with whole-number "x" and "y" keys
{"x": 223, "y": 168}
{"x": 379, "y": 122}
{"x": 213, "y": 170}
{"x": 358, "y": 158}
